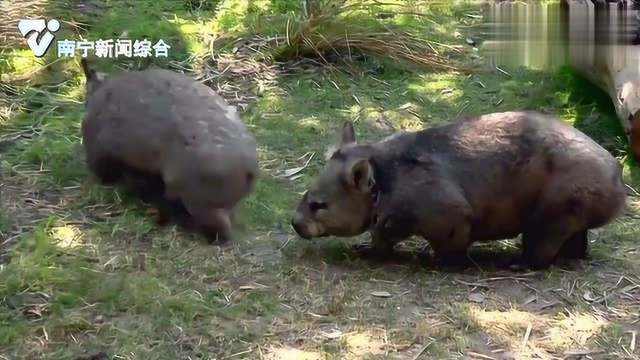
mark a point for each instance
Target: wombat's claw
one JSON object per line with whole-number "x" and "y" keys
{"x": 517, "y": 268}
{"x": 219, "y": 240}
{"x": 424, "y": 257}
{"x": 360, "y": 247}
{"x": 571, "y": 264}
{"x": 452, "y": 262}
{"x": 367, "y": 251}
{"x": 161, "y": 219}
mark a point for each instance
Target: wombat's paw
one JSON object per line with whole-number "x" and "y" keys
{"x": 535, "y": 264}
{"x": 452, "y": 263}
{"x": 571, "y": 264}
{"x": 225, "y": 244}
{"x": 367, "y": 251}
{"x": 425, "y": 258}
{"x": 518, "y": 268}
{"x": 215, "y": 237}
{"x": 160, "y": 218}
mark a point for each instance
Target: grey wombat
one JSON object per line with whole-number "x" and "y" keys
{"x": 486, "y": 178}
{"x": 163, "y": 125}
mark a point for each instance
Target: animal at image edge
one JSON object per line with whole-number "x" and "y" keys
{"x": 171, "y": 139}
{"x": 484, "y": 178}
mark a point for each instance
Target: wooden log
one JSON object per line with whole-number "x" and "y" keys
{"x": 594, "y": 36}
{"x": 601, "y": 48}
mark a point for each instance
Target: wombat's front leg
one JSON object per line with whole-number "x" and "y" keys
{"x": 451, "y": 251}
{"x": 216, "y": 227}
{"x": 212, "y": 223}
{"x": 169, "y": 209}
{"x": 379, "y": 248}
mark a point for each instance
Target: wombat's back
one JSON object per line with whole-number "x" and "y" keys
{"x": 501, "y": 162}
{"x": 144, "y": 115}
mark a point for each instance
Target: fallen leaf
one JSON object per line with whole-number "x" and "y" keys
{"x": 315, "y": 315}
{"x": 476, "y": 297}
{"x": 405, "y": 106}
{"x": 588, "y": 296}
{"x": 529, "y": 300}
{"x": 333, "y": 335}
{"x": 381, "y": 294}
{"x": 291, "y": 172}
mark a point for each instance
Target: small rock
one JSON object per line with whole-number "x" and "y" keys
{"x": 476, "y": 298}
{"x": 96, "y": 356}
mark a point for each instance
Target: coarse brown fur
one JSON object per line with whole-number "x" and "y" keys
{"x": 163, "y": 132}
{"x": 485, "y": 178}
{"x": 634, "y": 136}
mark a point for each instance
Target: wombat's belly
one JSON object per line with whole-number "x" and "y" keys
{"x": 500, "y": 220}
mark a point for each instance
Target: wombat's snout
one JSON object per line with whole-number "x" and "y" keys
{"x": 307, "y": 228}
{"x": 298, "y": 229}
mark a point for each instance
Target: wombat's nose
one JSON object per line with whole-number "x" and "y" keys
{"x": 296, "y": 227}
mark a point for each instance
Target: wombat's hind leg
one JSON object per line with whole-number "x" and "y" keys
{"x": 557, "y": 225}
{"x": 576, "y": 246}
{"x": 542, "y": 241}
{"x": 178, "y": 212}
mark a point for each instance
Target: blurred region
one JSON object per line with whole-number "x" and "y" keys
{"x": 549, "y": 35}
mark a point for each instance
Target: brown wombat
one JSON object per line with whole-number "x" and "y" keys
{"x": 485, "y": 178}
{"x": 157, "y": 124}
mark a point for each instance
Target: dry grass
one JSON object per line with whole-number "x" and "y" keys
{"x": 332, "y": 26}
{"x": 336, "y": 27}
{"x": 11, "y": 12}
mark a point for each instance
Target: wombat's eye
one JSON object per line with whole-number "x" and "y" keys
{"x": 374, "y": 219}
{"x": 316, "y": 205}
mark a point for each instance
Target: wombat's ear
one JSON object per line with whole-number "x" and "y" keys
{"x": 348, "y": 134}
{"x": 330, "y": 151}
{"x": 358, "y": 175}
{"x": 89, "y": 72}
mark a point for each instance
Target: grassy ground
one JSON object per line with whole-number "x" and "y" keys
{"x": 84, "y": 271}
